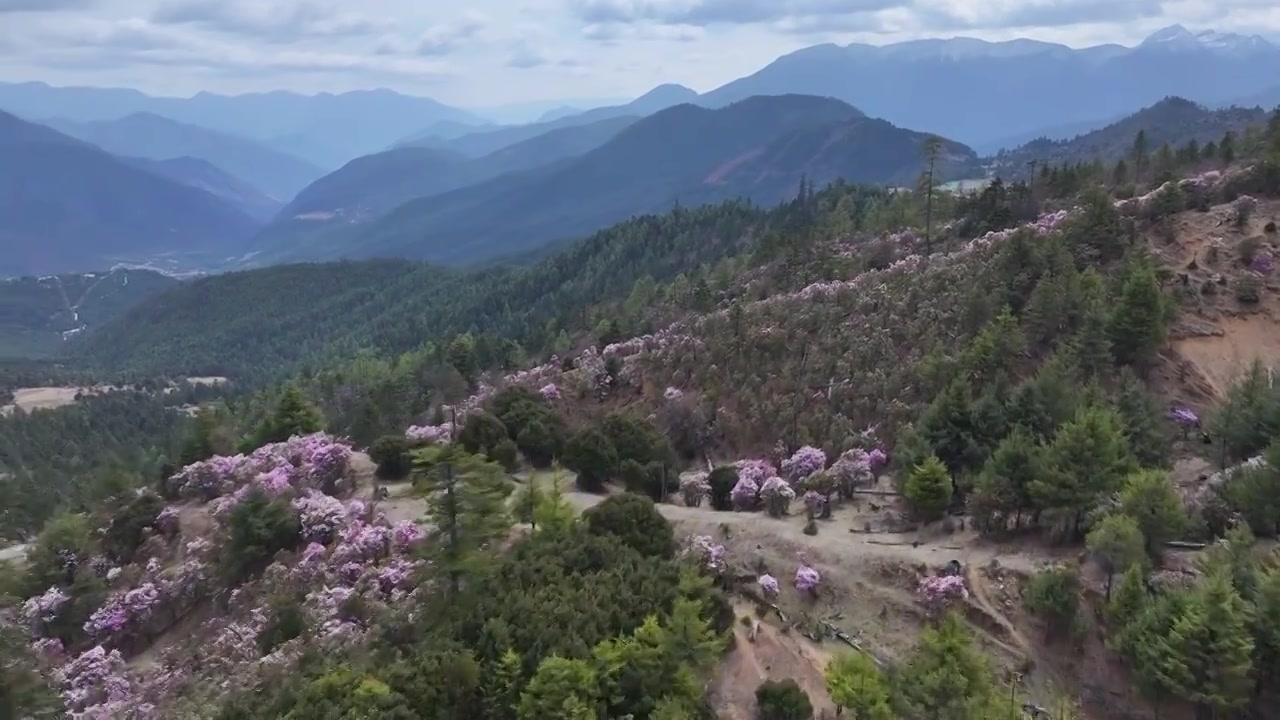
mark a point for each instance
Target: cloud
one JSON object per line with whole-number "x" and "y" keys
{"x": 525, "y": 57}
{"x": 277, "y": 20}
{"x": 447, "y": 38}
{"x": 712, "y": 12}
{"x": 15, "y": 6}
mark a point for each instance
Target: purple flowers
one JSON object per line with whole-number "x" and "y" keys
{"x": 807, "y": 579}
{"x": 45, "y": 607}
{"x": 777, "y": 496}
{"x": 320, "y": 515}
{"x": 694, "y": 488}
{"x": 768, "y": 586}
{"x": 672, "y": 394}
{"x": 550, "y": 392}
{"x": 1262, "y": 262}
{"x": 938, "y": 592}
{"x": 709, "y": 552}
{"x": 427, "y": 434}
{"x": 805, "y": 462}
{"x": 1184, "y": 417}
{"x": 405, "y": 536}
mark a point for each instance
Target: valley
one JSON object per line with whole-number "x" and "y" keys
{"x": 802, "y": 395}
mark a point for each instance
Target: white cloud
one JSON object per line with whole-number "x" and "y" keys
{"x": 484, "y": 52}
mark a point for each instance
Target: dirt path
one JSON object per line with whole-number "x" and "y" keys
{"x": 835, "y": 540}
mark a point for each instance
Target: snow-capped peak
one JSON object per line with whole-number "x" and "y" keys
{"x": 1178, "y": 37}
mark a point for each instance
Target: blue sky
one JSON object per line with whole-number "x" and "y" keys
{"x": 481, "y": 53}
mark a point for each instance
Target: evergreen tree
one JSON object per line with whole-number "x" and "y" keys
{"x": 1138, "y": 325}
{"x": 1003, "y": 488}
{"x": 467, "y": 507}
{"x": 500, "y": 694}
{"x": 1088, "y": 458}
{"x": 1210, "y": 658}
{"x": 857, "y": 685}
{"x": 947, "y": 425}
{"x": 1144, "y": 424}
{"x": 947, "y": 678}
{"x": 591, "y": 454}
{"x": 1118, "y": 545}
{"x": 1127, "y": 604}
{"x": 1266, "y": 629}
{"x": 561, "y": 689}
{"x": 928, "y": 489}
{"x": 1091, "y": 344}
{"x": 1151, "y": 500}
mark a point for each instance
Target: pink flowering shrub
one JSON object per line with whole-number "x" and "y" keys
{"x": 745, "y": 494}
{"x": 803, "y": 463}
{"x": 852, "y": 470}
{"x": 321, "y": 516}
{"x": 427, "y": 434}
{"x": 317, "y": 460}
{"x": 694, "y": 488}
{"x": 44, "y": 608}
{"x": 93, "y": 679}
{"x": 777, "y": 496}
{"x": 1184, "y": 417}
{"x": 939, "y": 592}
{"x": 807, "y": 579}
{"x": 166, "y": 522}
{"x": 768, "y": 586}
{"x": 710, "y": 554}
{"x": 1263, "y": 262}
{"x": 672, "y": 394}
{"x": 405, "y": 536}
{"x": 550, "y": 392}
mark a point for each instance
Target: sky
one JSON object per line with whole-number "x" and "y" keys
{"x": 486, "y": 53}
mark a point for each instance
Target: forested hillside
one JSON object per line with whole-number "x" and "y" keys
{"x": 1172, "y": 126}
{"x": 761, "y": 149}
{"x": 39, "y": 315}
{"x": 895, "y": 455}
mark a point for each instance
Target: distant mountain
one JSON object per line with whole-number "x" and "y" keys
{"x": 1268, "y": 99}
{"x": 68, "y": 206}
{"x": 483, "y": 143}
{"x": 1173, "y": 120}
{"x": 560, "y": 112}
{"x": 214, "y": 180}
{"x": 37, "y": 315}
{"x": 981, "y": 92}
{"x": 367, "y": 188}
{"x": 758, "y": 148}
{"x": 148, "y": 135}
{"x": 325, "y": 129}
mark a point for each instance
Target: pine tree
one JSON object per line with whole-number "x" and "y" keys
{"x": 1139, "y": 323}
{"x": 1144, "y": 424}
{"x": 857, "y": 685}
{"x": 928, "y": 489}
{"x": 1088, "y": 458}
{"x": 501, "y": 691}
{"x": 1266, "y": 629}
{"x": 1118, "y": 545}
{"x": 1003, "y": 487}
{"x": 1139, "y": 154}
{"x": 466, "y": 498}
{"x": 947, "y": 678}
{"x": 1151, "y": 500}
{"x": 1126, "y": 605}
{"x": 1210, "y": 660}
{"x": 932, "y": 146}
{"x": 1091, "y": 344}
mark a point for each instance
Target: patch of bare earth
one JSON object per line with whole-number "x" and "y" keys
{"x": 1216, "y": 337}
{"x": 762, "y": 652}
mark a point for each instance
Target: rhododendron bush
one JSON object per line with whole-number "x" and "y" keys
{"x": 939, "y": 592}
{"x": 348, "y": 553}
{"x": 308, "y": 461}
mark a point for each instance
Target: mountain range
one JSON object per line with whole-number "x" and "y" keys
{"x": 235, "y": 181}
{"x": 71, "y": 206}
{"x": 1175, "y": 121}
{"x": 759, "y": 148}
{"x": 155, "y": 137}
{"x": 325, "y": 129}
